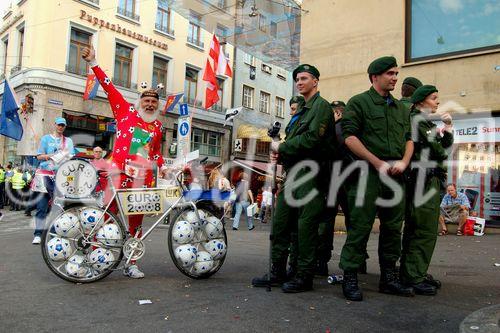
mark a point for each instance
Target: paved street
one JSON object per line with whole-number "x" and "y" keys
{"x": 35, "y": 300}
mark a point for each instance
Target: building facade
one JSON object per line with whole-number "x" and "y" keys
{"x": 135, "y": 41}
{"x": 263, "y": 90}
{"x": 453, "y": 45}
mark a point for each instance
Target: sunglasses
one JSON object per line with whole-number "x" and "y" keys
{"x": 61, "y": 125}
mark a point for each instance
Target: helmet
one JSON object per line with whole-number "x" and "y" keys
{"x": 186, "y": 254}
{"x": 59, "y": 248}
{"x": 216, "y": 247}
{"x": 76, "y": 266}
{"x": 67, "y": 225}
{"x": 101, "y": 258}
{"x": 109, "y": 234}
{"x": 204, "y": 262}
{"x": 89, "y": 217}
{"x": 183, "y": 232}
{"x": 213, "y": 227}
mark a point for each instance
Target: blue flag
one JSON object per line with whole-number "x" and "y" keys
{"x": 10, "y": 124}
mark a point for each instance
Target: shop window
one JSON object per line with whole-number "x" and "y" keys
{"x": 443, "y": 28}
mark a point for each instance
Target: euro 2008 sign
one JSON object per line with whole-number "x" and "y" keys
{"x": 76, "y": 179}
{"x": 142, "y": 202}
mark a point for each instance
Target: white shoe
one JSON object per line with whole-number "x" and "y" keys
{"x": 36, "y": 240}
{"x": 133, "y": 272}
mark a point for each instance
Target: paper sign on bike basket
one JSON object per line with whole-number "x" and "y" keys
{"x": 142, "y": 202}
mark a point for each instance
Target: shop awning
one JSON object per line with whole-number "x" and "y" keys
{"x": 252, "y": 132}
{"x": 261, "y": 168}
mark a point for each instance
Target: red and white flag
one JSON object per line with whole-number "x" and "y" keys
{"x": 223, "y": 67}
{"x": 211, "y": 92}
{"x": 214, "y": 52}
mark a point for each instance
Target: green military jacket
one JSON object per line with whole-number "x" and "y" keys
{"x": 406, "y": 102}
{"x": 382, "y": 125}
{"x": 312, "y": 136}
{"x": 426, "y": 137}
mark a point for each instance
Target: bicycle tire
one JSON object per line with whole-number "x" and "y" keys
{"x": 50, "y": 263}
{"x": 171, "y": 244}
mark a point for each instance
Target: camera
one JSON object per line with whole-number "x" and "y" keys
{"x": 274, "y": 131}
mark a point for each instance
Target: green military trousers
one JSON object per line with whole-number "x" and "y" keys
{"x": 303, "y": 221}
{"x": 361, "y": 220}
{"x": 419, "y": 235}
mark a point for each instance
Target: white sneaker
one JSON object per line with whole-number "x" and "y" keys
{"x": 133, "y": 272}
{"x": 36, "y": 240}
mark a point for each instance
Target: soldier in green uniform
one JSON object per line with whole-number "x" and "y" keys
{"x": 410, "y": 84}
{"x": 376, "y": 128}
{"x": 419, "y": 236}
{"x": 310, "y": 138}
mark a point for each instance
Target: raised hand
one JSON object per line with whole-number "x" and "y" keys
{"x": 88, "y": 54}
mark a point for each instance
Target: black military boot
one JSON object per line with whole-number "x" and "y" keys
{"x": 321, "y": 268}
{"x": 350, "y": 286}
{"x": 429, "y": 279}
{"x": 291, "y": 272}
{"x": 423, "y": 288}
{"x": 278, "y": 277}
{"x": 362, "y": 268}
{"x": 390, "y": 284}
{"x": 298, "y": 284}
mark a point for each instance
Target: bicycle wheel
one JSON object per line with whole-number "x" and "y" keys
{"x": 198, "y": 248}
{"x": 78, "y": 246}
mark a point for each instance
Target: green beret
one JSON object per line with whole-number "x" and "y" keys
{"x": 306, "y": 68}
{"x": 380, "y": 65}
{"x": 412, "y": 81}
{"x": 296, "y": 99}
{"x": 336, "y": 104}
{"x": 421, "y": 93}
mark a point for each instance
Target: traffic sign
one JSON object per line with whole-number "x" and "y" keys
{"x": 183, "y": 109}
{"x": 184, "y": 128}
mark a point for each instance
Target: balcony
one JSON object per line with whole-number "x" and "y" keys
{"x": 15, "y": 69}
{"x": 126, "y": 13}
{"x": 206, "y": 149}
{"x": 195, "y": 42}
{"x": 77, "y": 70}
{"x": 164, "y": 29}
{"x": 192, "y": 101}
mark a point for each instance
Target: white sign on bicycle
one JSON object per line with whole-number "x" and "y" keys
{"x": 142, "y": 202}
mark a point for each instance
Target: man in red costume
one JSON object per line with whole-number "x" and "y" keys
{"x": 136, "y": 151}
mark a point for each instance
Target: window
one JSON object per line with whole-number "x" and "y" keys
{"x": 219, "y": 105}
{"x": 194, "y": 31}
{"x": 221, "y": 4}
{"x": 443, "y": 28}
{"x": 123, "y": 65}
{"x": 221, "y": 31}
{"x": 280, "y": 107}
{"x": 274, "y": 29}
{"x": 190, "y": 86}
{"x": 207, "y": 142}
{"x": 160, "y": 70}
{"x": 248, "y": 97}
{"x": 249, "y": 59}
{"x": 262, "y": 23}
{"x": 21, "y": 48}
{"x": 128, "y": 8}
{"x": 265, "y": 100}
{"x": 163, "y": 17}
{"x": 79, "y": 40}
{"x": 5, "y": 49}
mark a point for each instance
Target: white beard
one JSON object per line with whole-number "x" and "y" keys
{"x": 147, "y": 117}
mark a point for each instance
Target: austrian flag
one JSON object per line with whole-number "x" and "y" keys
{"x": 211, "y": 92}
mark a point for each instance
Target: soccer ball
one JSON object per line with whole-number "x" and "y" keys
{"x": 59, "y": 248}
{"x": 160, "y": 86}
{"x": 76, "y": 266}
{"x": 183, "y": 232}
{"x": 216, "y": 247}
{"x": 186, "y": 254}
{"x": 213, "y": 227}
{"x": 89, "y": 217}
{"x": 66, "y": 225}
{"x": 144, "y": 84}
{"x": 193, "y": 219}
{"x": 101, "y": 258}
{"x": 109, "y": 234}
{"x": 204, "y": 262}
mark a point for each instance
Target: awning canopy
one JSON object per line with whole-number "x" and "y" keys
{"x": 252, "y": 132}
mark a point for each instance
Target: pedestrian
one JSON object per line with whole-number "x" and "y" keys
{"x": 309, "y": 137}
{"x": 421, "y": 223}
{"x": 294, "y": 104}
{"x": 50, "y": 145}
{"x": 376, "y": 128}
{"x": 9, "y": 172}
{"x": 18, "y": 184}
{"x": 244, "y": 198}
{"x": 137, "y": 147}
{"x": 265, "y": 206}
{"x": 217, "y": 180}
{"x": 2, "y": 186}
{"x": 410, "y": 84}
{"x": 455, "y": 208}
